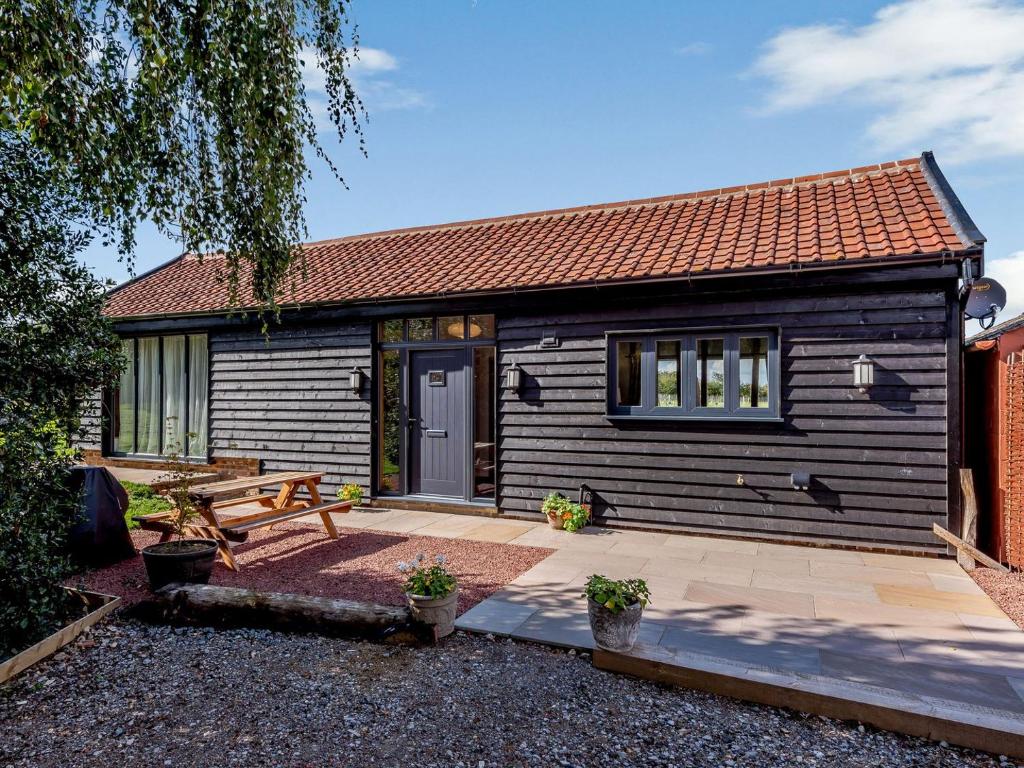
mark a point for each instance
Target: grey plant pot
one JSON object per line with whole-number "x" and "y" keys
{"x": 614, "y": 631}
{"x": 440, "y": 612}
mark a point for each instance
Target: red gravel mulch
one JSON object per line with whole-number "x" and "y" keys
{"x": 359, "y": 565}
{"x": 1005, "y": 589}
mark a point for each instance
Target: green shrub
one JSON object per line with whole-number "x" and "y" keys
{"x": 36, "y": 510}
{"x": 56, "y": 351}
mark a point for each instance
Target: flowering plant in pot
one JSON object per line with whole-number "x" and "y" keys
{"x": 563, "y": 513}
{"x": 615, "y": 608}
{"x": 351, "y": 492}
{"x": 181, "y": 560}
{"x": 432, "y": 591}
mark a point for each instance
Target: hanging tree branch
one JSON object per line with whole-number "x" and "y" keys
{"x": 191, "y": 113}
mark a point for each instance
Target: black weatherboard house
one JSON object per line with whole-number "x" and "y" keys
{"x": 778, "y": 360}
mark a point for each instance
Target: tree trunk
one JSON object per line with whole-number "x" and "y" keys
{"x": 232, "y": 607}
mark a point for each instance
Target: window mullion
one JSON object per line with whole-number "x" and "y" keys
{"x": 187, "y": 394}
{"x": 160, "y": 378}
{"x": 648, "y": 376}
{"x": 732, "y": 374}
{"x": 135, "y": 403}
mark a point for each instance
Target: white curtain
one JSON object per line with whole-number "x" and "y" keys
{"x": 124, "y": 408}
{"x": 197, "y": 396}
{"x": 149, "y": 396}
{"x": 174, "y": 395}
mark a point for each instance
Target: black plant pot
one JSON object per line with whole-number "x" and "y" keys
{"x": 188, "y": 561}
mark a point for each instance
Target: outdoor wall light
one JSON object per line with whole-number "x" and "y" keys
{"x": 514, "y": 378}
{"x": 355, "y": 380}
{"x": 800, "y": 480}
{"x": 863, "y": 373}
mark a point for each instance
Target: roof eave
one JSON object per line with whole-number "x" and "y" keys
{"x": 974, "y": 251}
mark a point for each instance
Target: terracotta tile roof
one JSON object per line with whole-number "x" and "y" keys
{"x": 895, "y": 209}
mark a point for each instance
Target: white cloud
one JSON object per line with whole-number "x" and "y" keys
{"x": 696, "y": 48}
{"x": 947, "y": 74}
{"x": 368, "y": 72}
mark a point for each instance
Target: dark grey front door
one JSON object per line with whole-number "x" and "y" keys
{"x": 437, "y": 422}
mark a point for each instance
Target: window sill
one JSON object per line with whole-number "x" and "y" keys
{"x": 735, "y": 419}
{"x": 154, "y": 459}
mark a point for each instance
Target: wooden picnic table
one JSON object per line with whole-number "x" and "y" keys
{"x": 278, "y": 507}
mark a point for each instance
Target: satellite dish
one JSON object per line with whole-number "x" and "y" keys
{"x": 985, "y": 300}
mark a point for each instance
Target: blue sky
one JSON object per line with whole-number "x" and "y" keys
{"x": 488, "y": 108}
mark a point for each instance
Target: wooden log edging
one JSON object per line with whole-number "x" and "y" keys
{"x": 235, "y": 608}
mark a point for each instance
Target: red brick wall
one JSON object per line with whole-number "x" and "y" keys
{"x": 227, "y": 467}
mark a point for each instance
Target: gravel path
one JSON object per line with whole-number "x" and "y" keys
{"x": 153, "y": 696}
{"x": 299, "y": 558}
{"x": 1005, "y": 589}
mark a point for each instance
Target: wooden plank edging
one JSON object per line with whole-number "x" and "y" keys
{"x": 967, "y": 727}
{"x": 64, "y": 636}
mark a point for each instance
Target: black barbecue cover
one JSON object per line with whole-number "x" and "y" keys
{"x": 100, "y": 537}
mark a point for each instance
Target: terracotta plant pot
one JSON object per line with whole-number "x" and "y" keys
{"x": 439, "y": 612}
{"x": 614, "y": 631}
{"x": 556, "y": 522}
{"x": 188, "y": 561}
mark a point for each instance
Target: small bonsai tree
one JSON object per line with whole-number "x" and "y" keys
{"x": 180, "y": 474}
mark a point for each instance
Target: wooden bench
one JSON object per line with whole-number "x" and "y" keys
{"x": 246, "y": 523}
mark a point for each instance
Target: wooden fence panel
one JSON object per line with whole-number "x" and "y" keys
{"x": 1013, "y": 516}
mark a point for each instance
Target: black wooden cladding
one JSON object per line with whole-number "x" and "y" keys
{"x": 287, "y": 401}
{"x": 878, "y": 460}
{"x": 91, "y": 435}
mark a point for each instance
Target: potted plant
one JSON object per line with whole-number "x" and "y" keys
{"x": 615, "y": 608}
{"x": 351, "y": 492}
{"x": 181, "y": 560}
{"x": 562, "y": 513}
{"x": 433, "y": 593}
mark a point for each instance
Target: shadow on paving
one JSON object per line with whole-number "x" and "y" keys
{"x": 985, "y": 670}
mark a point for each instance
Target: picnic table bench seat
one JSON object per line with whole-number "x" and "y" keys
{"x": 245, "y": 523}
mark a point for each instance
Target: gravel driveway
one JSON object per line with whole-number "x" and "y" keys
{"x": 152, "y": 696}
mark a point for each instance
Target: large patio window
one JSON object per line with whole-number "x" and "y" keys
{"x": 710, "y": 374}
{"x": 160, "y": 405}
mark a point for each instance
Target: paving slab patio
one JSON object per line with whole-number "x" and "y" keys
{"x": 885, "y": 628}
